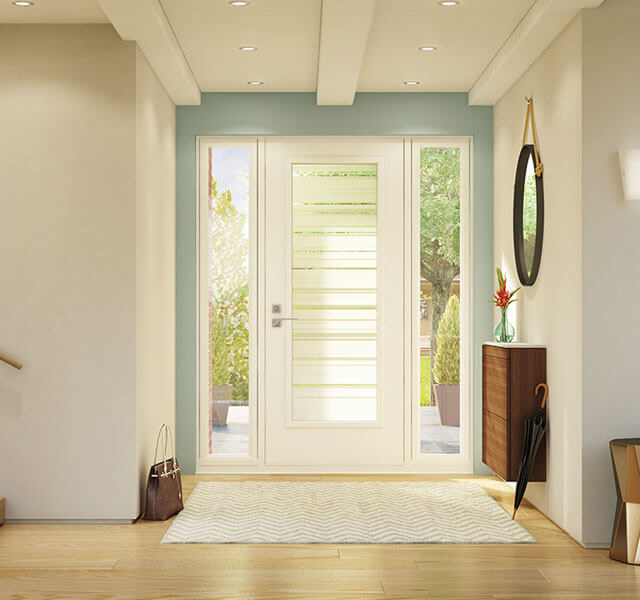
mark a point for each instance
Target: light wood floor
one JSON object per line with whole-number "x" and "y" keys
{"x": 128, "y": 561}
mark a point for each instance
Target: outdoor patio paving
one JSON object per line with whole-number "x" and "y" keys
{"x": 434, "y": 438}
{"x": 234, "y": 437}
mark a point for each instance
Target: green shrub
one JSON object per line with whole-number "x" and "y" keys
{"x": 219, "y": 353}
{"x": 446, "y": 367}
{"x": 425, "y": 381}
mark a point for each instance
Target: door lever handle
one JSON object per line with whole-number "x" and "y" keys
{"x": 277, "y": 321}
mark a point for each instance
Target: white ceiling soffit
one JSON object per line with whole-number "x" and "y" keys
{"x": 344, "y": 32}
{"x": 145, "y": 22}
{"x": 538, "y": 28}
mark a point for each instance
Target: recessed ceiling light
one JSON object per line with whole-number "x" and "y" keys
{"x": 239, "y": 3}
{"x": 448, "y": 3}
{"x": 248, "y": 48}
{"x": 412, "y": 82}
{"x": 256, "y": 82}
{"x": 427, "y": 48}
{"x": 22, "y": 3}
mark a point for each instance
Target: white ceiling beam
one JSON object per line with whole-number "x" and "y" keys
{"x": 344, "y": 31}
{"x": 538, "y": 28}
{"x": 145, "y": 22}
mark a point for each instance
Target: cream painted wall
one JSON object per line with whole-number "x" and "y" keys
{"x": 549, "y": 312}
{"x": 611, "y": 254}
{"x": 155, "y": 262}
{"x": 77, "y": 273}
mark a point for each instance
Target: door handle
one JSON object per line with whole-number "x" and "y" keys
{"x": 277, "y": 321}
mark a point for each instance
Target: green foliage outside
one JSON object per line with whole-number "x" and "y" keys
{"x": 425, "y": 380}
{"x": 439, "y": 228}
{"x": 446, "y": 367}
{"x": 219, "y": 352}
{"x": 229, "y": 293}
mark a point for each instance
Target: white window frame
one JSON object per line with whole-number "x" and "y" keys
{"x": 440, "y": 463}
{"x": 206, "y": 460}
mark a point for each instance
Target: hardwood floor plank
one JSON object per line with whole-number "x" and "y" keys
{"x": 129, "y": 562}
{"x": 258, "y": 563}
{"x": 159, "y": 584}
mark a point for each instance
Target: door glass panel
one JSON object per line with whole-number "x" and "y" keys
{"x": 229, "y": 301}
{"x": 334, "y": 292}
{"x": 439, "y": 302}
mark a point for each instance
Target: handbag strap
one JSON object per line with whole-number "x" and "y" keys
{"x": 169, "y": 436}
{"x": 168, "y": 439}
{"x": 163, "y": 430}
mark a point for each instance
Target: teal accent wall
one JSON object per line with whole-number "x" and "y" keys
{"x": 297, "y": 114}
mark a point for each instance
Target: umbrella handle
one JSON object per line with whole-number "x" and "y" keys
{"x": 546, "y": 393}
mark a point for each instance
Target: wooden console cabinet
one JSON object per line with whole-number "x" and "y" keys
{"x": 510, "y": 374}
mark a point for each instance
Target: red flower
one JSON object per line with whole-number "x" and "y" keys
{"x": 502, "y": 298}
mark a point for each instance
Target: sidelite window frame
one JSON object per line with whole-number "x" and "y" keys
{"x": 203, "y": 144}
{"x": 448, "y": 463}
{"x": 260, "y": 313}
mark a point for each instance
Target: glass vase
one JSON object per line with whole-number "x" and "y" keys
{"x": 504, "y": 331}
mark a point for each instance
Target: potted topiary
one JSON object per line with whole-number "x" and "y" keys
{"x": 220, "y": 390}
{"x": 446, "y": 367}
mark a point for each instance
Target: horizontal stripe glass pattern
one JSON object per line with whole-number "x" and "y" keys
{"x": 334, "y": 278}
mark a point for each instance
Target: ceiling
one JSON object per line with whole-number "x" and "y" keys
{"x": 332, "y": 47}
{"x": 466, "y": 37}
{"x": 287, "y": 34}
{"x": 53, "y": 11}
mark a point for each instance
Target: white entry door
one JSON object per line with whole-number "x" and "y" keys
{"x": 334, "y": 301}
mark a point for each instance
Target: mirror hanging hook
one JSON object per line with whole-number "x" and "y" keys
{"x": 529, "y": 118}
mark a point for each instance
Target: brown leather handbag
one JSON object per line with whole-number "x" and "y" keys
{"x": 164, "y": 486}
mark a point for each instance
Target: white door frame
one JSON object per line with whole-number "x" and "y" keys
{"x": 413, "y": 462}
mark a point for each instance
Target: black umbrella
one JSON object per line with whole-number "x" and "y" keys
{"x": 535, "y": 427}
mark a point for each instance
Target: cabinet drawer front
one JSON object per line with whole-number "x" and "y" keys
{"x": 495, "y": 443}
{"x": 497, "y": 351}
{"x": 496, "y": 385}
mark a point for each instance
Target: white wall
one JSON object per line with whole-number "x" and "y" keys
{"x": 611, "y": 254}
{"x": 549, "y": 312}
{"x": 155, "y": 262}
{"x": 74, "y": 272}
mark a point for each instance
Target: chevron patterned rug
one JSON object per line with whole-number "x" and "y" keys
{"x": 372, "y": 512}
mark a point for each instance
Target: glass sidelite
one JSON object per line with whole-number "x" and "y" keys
{"x": 439, "y": 302}
{"x": 228, "y": 282}
{"x": 334, "y": 292}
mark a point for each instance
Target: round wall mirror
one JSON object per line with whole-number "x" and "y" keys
{"x": 528, "y": 216}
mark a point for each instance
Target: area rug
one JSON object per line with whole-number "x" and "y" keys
{"x": 372, "y": 512}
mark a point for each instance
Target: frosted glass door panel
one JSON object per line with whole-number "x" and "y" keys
{"x": 334, "y": 292}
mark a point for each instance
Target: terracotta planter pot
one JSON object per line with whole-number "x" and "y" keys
{"x": 219, "y": 399}
{"x": 448, "y": 401}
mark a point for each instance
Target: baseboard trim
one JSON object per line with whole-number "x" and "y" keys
{"x": 597, "y": 546}
{"x": 70, "y": 521}
{"x": 273, "y": 469}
